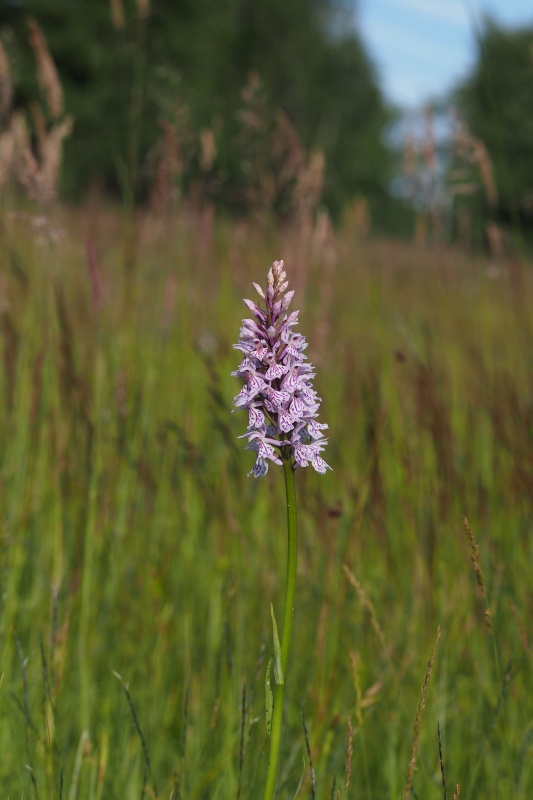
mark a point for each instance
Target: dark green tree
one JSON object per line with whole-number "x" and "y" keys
{"x": 122, "y": 76}
{"x": 496, "y": 101}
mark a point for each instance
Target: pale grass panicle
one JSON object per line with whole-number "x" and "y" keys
{"x": 33, "y": 157}
{"x": 474, "y": 555}
{"x": 46, "y": 70}
{"x": 418, "y": 720}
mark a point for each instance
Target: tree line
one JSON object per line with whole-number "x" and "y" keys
{"x": 232, "y": 98}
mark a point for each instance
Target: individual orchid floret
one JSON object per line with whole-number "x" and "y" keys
{"x": 278, "y": 392}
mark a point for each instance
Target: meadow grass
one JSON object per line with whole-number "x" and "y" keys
{"x": 139, "y": 562}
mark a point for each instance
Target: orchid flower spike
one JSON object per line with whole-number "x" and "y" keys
{"x": 278, "y": 393}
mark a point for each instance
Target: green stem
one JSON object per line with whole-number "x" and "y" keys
{"x": 279, "y": 689}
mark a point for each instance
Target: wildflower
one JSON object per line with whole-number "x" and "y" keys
{"x": 278, "y": 392}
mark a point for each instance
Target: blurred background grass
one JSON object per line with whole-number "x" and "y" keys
{"x": 132, "y": 541}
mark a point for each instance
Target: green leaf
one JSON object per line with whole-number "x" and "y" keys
{"x": 297, "y": 792}
{"x": 278, "y": 666}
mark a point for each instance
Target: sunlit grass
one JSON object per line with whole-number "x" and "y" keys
{"x": 133, "y": 543}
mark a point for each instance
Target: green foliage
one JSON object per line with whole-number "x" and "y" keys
{"x": 133, "y": 545}
{"x": 496, "y": 103}
{"x": 121, "y": 82}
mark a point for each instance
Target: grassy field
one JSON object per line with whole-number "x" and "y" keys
{"x": 138, "y": 562}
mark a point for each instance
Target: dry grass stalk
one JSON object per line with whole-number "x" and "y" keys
{"x": 46, "y": 70}
{"x": 323, "y": 620}
{"x": 365, "y": 602}
{"x": 36, "y": 169}
{"x": 6, "y": 85}
{"x": 7, "y": 133}
{"x": 474, "y": 555}
{"x": 312, "y": 774}
{"x": 14, "y": 144}
{"x": 7, "y": 154}
{"x": 416, "y": 729}
{"x": 349, "y": 754}
{"x": 117, "y": 14}
{"x": 163, "y": 194}
{"x": 143, "y": 9}
{"x": 457, "y": 792}
{"x": 208, "y": 149}
{"x": 473, "y": 152}
{"x": 441, "y": 761}
{"x": 357, "y": 217}
{"x": 495, "y": 240}
{"x": 355, "y": 661}
{"x": 40, "y": 177}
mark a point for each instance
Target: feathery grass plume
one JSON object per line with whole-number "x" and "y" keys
{"x": 37, "y": 166}
{"x": 416, "y": 729}
{"x": 208, "y": 149}
{"x": 282, "y": 405}
{"x": 117, "y": 14}
{"x": 8, "y": 141}
{"x": 472, "y": 151}
{"x": 46, "y": 70}
{"x": 6, "y": 85}
{"x": 365, "y": 602}
{"x": 143, "y": 9}
{"x": 474, "y": 555}
{"x": 474, "y": 169}
{"x": 349, "y": 755}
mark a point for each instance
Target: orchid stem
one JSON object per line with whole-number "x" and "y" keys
{"x": 279, "y": 689}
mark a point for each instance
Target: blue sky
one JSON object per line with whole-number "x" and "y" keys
{"x": 423, "y": 47}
